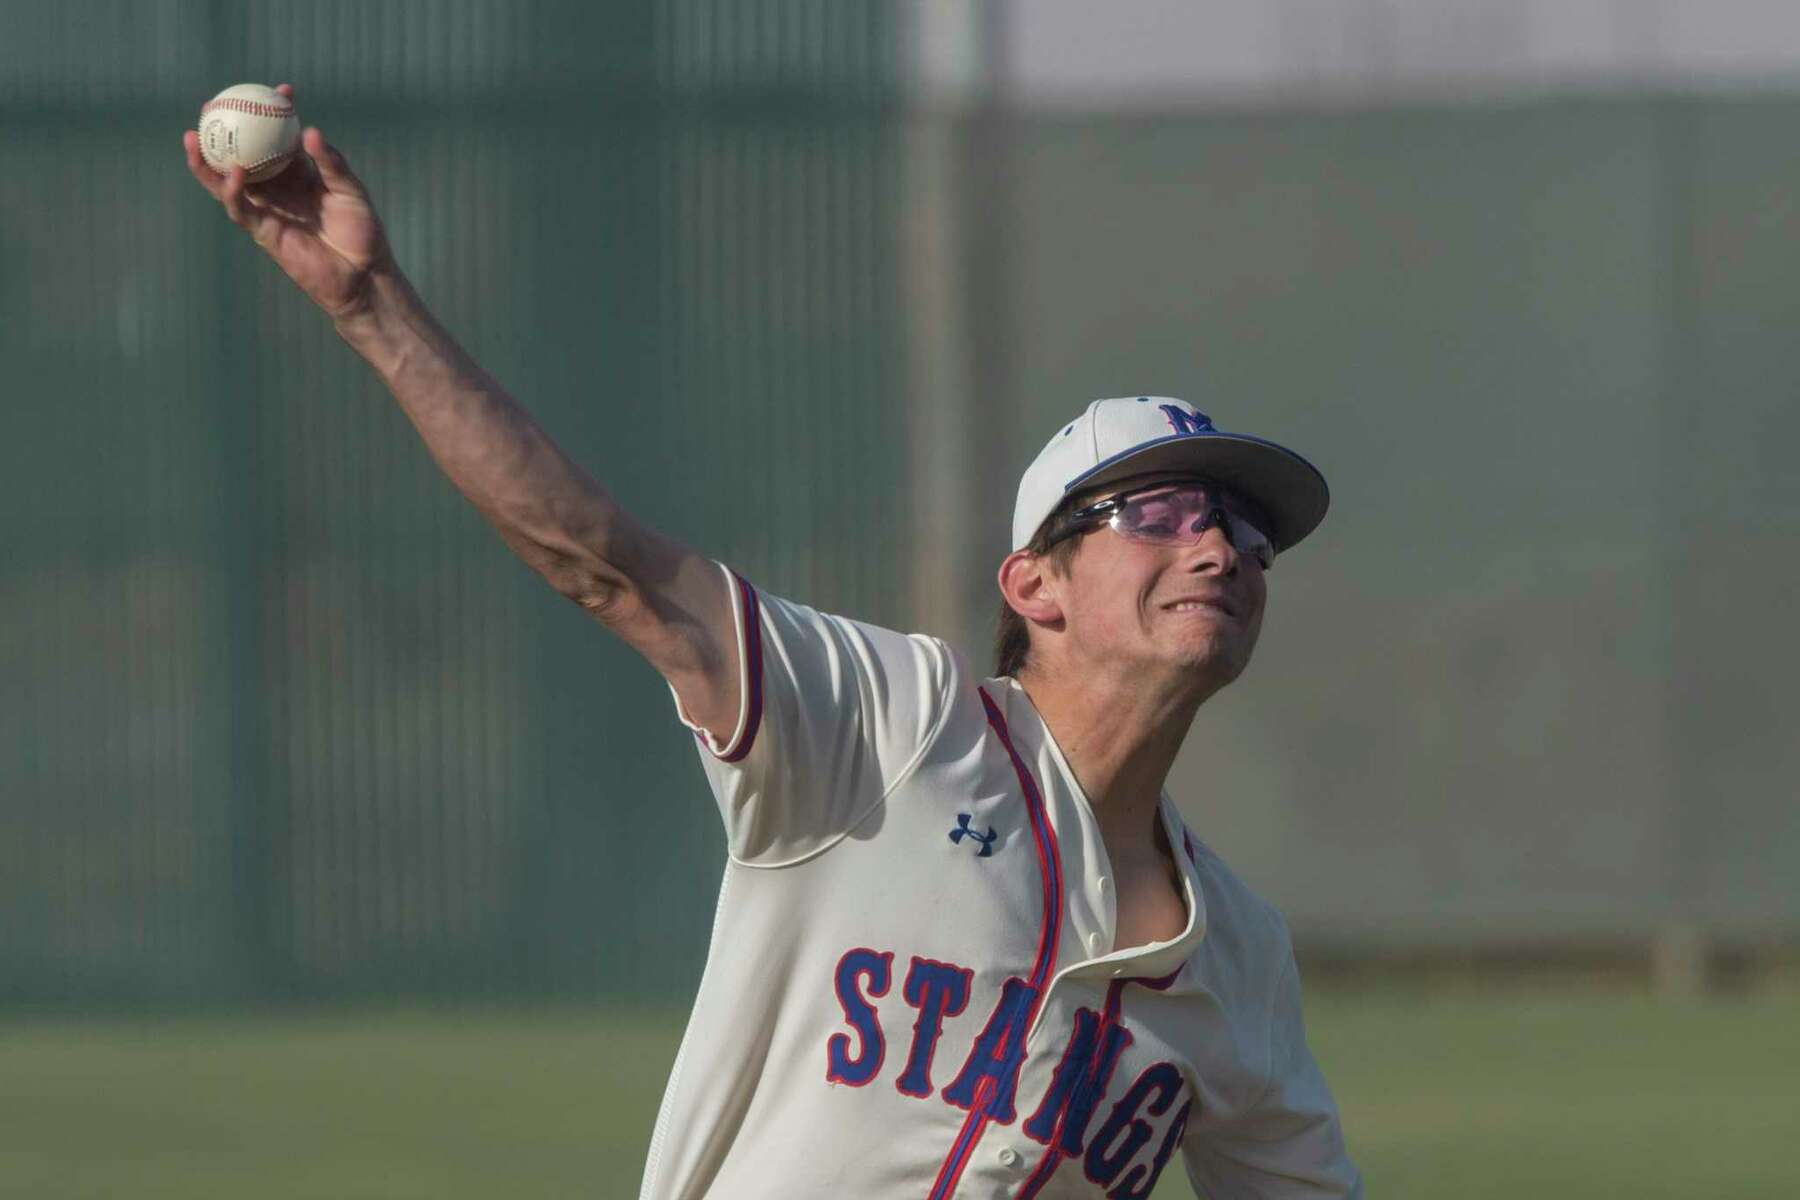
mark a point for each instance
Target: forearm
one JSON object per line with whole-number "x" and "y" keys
{"x": 562, "y": 523}
{"x": 668, "y": 603}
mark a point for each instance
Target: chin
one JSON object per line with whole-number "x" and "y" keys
{"x": 1216, "y": 672}
{"x": 1219, "y": 659}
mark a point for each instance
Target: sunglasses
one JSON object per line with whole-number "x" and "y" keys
{"x": 1176, "y": 514}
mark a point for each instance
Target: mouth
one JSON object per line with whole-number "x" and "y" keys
{"x": 1201, "y": 604}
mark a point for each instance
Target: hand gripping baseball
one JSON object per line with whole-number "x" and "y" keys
{"x": 314, "y": 219}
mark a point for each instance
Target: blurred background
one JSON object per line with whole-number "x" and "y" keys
{"x": 339, "y": 855}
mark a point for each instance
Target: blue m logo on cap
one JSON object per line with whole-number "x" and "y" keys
{"x": 1183, "y": 421}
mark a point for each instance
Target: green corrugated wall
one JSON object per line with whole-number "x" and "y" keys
{"x": 280, "y": 717}
{"x": 282, "y": 720}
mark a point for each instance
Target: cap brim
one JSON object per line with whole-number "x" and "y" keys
{"x": 1284, "y": 485}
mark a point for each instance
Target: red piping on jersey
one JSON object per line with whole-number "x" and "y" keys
{"x": 1043, "y": 838}
{"x": 752, "y": 676}
{"x": 1053, "y": 1155}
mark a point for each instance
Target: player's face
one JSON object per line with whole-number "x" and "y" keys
{"x": 1195, "y": 609}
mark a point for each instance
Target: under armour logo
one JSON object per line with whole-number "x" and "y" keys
{"x": 1184, "y": 422}
{"x": 962, "y": 831}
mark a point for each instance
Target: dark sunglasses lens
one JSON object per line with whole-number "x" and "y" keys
{"x": 1172, "y": 513}
{"x": 1180, "y": 515}
{"x": 1164, "y": 516}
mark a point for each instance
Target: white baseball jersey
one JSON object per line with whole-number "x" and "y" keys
{"x": 912, "y": 989}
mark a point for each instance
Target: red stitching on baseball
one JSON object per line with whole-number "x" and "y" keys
{"x": 249, "y": 167}
{"x": 257, "y": 108}
{"x": 253, "y": 107}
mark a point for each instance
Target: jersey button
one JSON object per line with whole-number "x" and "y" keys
{"x": 1009, "y": 1157}
{"x": 1094, "y": 944}
{"x": 1102, "y": 884}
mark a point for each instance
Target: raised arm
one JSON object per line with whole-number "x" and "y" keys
{"x": 670, "y": 604}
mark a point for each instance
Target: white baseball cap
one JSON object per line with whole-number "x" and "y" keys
{"x": 1124, "y": 436}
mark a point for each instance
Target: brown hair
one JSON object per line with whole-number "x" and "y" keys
{"x": 1012, "y": 638}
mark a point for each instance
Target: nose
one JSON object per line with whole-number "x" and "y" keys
{"x": 1213, "y": 554}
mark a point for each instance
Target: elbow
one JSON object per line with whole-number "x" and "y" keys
{"x": 613, "y": 577}
{"x": 606, "y": 600}
{"x": 588, "y": 574}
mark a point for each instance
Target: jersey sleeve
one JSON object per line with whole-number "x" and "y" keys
{"x": 832, "y": 714}
{"x": 1289, "y": 1144}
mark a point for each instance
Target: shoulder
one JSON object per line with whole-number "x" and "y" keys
{"x": 837, "y": 649}
{"x": 1247, "y": 946}
{"x": 899, "y": 687}
{"x": 869, "y": 642}
{"x": 1228, "y": 896}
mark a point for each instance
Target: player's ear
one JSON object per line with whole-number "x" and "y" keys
{"x": 1028, "y": 588}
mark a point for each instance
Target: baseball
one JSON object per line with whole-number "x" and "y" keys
{"x": 249, "y": 126}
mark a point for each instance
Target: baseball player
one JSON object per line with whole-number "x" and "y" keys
{"x": 965, "y": 943}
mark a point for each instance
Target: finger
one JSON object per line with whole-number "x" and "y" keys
{"x": 232, "y": 195}
{"x": 296, "y": 185}
{"x": 286, "y": 89}
{"x": 334, "y": 169}
{"x": 208, "y": 178}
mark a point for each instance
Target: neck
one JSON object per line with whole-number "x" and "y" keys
{"x": 1120, "y": 736}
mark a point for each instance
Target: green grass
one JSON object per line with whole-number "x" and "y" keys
{"x": 1472, "y": 1097}
{"x": 390, "y": 1106}
{"x": 1507, "y": 1096}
